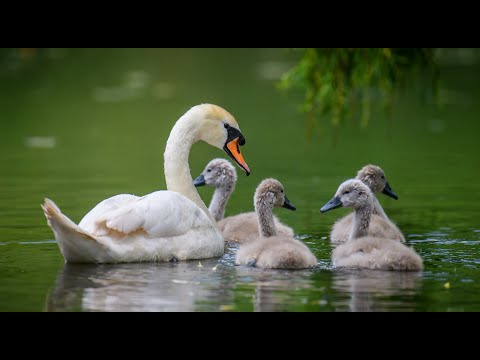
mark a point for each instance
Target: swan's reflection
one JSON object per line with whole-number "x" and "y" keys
{"x": 183, "y": 286}
{"x": 377, "y": 290}
{"x": 216, "y": 285}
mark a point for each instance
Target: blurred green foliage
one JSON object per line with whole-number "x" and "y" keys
{"x": 342, "y": 82}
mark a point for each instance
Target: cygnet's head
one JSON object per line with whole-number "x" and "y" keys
{"x": 217, "y": 173}
{"x": 374, "y": 177}
{"x": 270, "y": 193}
{"x": 351, "y": 193}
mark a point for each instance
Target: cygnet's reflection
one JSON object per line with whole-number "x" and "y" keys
{"x": 275, "y": 290}
{"x": 377, "y": 290}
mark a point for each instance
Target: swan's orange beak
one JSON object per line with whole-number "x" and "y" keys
{"x": 232, "y": 148}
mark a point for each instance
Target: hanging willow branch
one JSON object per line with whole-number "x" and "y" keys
{"x": 334, "y": 80}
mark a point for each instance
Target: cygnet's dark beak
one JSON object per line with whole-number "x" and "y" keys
{"x": 288, "y": 205}
{"x": 332, "y": 204}
{"x": 199, "y": 181}
{"x": 387, "y": 190}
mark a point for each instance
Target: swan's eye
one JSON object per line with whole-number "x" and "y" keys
{"x": 208, "y": 170}
{"x": 226, "y": 126}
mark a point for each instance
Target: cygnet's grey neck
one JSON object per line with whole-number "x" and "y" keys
{"x": 361, "y": 220}
{"x": 377, "y": 208}
{"x": 220, "y": 199}
{"x": 263, "y": 208}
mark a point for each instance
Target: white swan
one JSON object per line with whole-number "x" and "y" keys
{"x": 163, "y": 225}
{"x": 361, "y": 250}
{"x": 220, "y": 174}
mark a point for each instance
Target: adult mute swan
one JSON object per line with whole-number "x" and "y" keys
{"x": 163, "y": 225}
{"x": 220, "y": 174}
{"x": 269, "y": 249}
{"x": 361, "y": 250}
{"x": 380, "y": 225}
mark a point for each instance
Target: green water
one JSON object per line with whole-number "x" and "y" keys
{"x": 81, "y": 125}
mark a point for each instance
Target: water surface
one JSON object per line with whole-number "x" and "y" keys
{"x": 80, "y": 125}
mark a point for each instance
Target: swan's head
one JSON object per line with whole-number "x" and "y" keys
{"x": 270, "y": 193}
{"x": 217, "y": 173}
{"x": 374, "y": 177}
{"x": 351, "y": 193}
{"x": 220, "y": 129}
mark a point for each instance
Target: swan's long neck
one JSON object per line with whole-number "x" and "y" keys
{"x": 177, "y": 170}
{"x": 265, "y": 218}
{"x": 219, "y": 200}
{"x": 361, "y": 220}
{"x": 377, "y": 208}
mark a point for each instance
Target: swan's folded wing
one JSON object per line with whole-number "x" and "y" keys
{"x": 159, "y": 214}
{"x": 124, "y": 220}
{"x": 90, "y": 220}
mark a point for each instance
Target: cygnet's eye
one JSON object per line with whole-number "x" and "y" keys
{"x": 383, "y": 176}
{"x": 360, "y": 193}
{"x": 226, "y": 126}
{"x": 281, "y": 190}
{"x": 346, "y": 192}
{"x": 208, "y": 170}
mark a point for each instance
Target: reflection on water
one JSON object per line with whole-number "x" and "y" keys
{"x": 278, "y": 290}
{"x": 218, "y": 285}
{"x": 136, "y": 287}
{"x": 208, "y": 285}
{"x": 377, "y": 290}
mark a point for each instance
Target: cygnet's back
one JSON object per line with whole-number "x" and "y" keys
{"x": 380, "y": 225}
{"x": 269, "y": 250}
{"x": 361, "y": 250}
{"x": 276, "y": 252}
{"x": 376, "y": 253}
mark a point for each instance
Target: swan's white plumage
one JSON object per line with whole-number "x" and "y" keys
{"x": 155, "y": 227}
{"x": 88, "y": 222}
{"x": 159, "y": 214}
{"x": 160, "y": 225}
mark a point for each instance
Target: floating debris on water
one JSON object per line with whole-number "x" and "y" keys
{"x": 43, "y": 142}
{"x": 446, "y": 285}
{"x": 200, "y": 264}
{"x": 179, "y": 281}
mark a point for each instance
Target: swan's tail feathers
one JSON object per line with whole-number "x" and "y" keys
{"x": 55, "y": 218}
{"x": 76, "y": 244}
